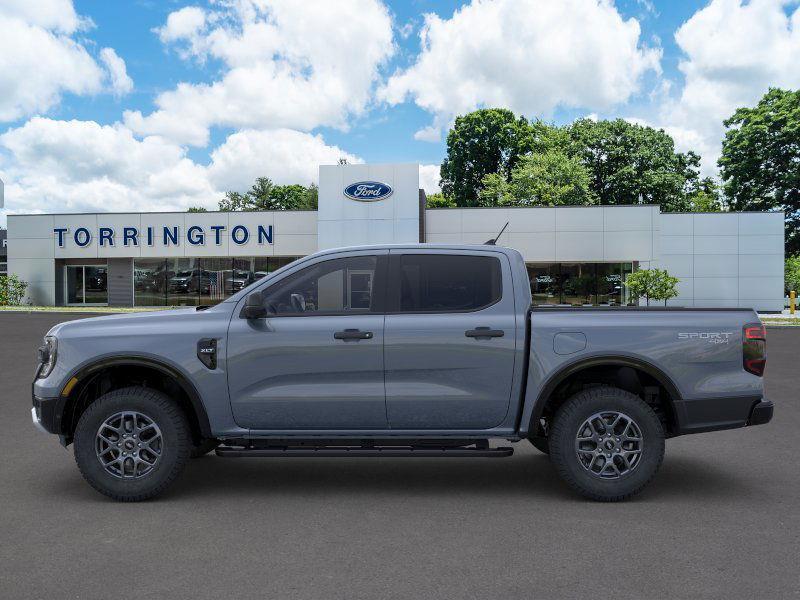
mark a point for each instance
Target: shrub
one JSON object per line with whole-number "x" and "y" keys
{"x": 652, "y": 284}
{"x": 12, "y": 290}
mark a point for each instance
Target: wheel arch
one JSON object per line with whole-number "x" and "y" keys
{"x": 584, "y": 365}
{"x": 75, "y": 400}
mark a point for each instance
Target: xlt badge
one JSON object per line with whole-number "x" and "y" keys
{"x": 207, "y": 352}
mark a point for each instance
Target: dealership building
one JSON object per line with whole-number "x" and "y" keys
{"x": 575, "y": 255}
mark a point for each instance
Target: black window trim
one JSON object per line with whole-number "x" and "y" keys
{"x": 393, "y": 289}
{"x": 378, "y": 289}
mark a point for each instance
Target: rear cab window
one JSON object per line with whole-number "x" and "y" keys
{"x": 443, "y": 283}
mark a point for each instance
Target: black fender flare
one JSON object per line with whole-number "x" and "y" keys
{"x": 81, "y": 373}
{"x": 570, "y": 369}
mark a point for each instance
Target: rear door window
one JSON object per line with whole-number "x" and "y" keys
{"x": 448, "y": 283}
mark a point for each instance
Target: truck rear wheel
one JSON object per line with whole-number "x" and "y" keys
{"x": 606, "y": 443}
{"x": 131, "y": 443}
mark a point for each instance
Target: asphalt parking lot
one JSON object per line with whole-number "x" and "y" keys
{"x": 722, "y": 518}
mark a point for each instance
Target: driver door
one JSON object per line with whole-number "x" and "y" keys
{"x": 316, "y": 362}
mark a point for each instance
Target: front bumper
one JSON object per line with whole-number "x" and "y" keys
{"x": 47, "y": 413}
{"x": 37, "y": 422}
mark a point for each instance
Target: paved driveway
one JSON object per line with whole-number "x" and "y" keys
{"x": 721, "y": 520}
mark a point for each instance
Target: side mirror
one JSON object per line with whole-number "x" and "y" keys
{"x": 253, "y": 307}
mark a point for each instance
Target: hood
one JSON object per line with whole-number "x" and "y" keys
{"x": 121, "y": 318}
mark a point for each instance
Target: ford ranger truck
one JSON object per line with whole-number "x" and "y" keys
{"x": 388, "y": 351}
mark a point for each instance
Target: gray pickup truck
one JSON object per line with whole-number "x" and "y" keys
{"x": 413, "y": 350}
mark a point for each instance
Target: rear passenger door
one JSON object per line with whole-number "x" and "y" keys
{"x": 449, "y": 340}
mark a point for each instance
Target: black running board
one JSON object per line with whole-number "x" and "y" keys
{"x": 387, "y": 451}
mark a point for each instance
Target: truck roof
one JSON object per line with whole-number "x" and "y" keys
{"x": 422, "y": 246}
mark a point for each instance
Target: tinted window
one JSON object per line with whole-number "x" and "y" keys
{"x": 342, "y": 285}
{"x": 442, "y": 283}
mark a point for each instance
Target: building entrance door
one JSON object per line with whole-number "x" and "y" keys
{"x": 86, "y": 284}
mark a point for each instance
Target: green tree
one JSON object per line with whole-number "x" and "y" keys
{"x": 627, "y": 161}
{"x": 312, "y": 197}
{"x": 760, "y": 162}
{"x": 265, "y": 195}
{"x": 260, "y": 195}
{"x": 706, "y": 196}
{"x": 485, "y": 141}
{"x": 791, "y": 276}
{"x": 12, "y": 290}
{"x": 652, "y": 284}
{"x": 495, "y": 191}
{"x": 549, "y": 179}
{"x": 234, "y": 201}
{"x": 197, "y": 209}
{"x": 288, "y": 197}
{"x": 439, "y": 200}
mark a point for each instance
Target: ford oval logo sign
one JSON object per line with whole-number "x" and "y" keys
{"x": 368, "y": 191}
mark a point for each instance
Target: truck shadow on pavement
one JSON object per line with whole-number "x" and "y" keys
{"x": 530, "y": 476}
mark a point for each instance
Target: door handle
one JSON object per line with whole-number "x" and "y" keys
{"x": 352, "y": 334}
{"x": 484, "y": 332}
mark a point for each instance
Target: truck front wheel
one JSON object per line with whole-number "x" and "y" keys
{"x": 131, "y": 443}
{"x": 606, "y": 443}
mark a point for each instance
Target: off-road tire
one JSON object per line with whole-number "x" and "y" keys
{"x": 205, "y": 446}
{"x": 174, "y": 429}
{"x": 569, "y": 418}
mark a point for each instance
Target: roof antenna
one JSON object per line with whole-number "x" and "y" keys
{"x": 493, "y": 242}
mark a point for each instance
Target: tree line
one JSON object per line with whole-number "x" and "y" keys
{"x": 265, "y": 195}
{"x": 496, "y": 158}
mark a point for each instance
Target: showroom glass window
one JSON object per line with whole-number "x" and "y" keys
{"x": 448, "y": 283}
{"x": 331, "y": 287}
{"x": 580, "y": 284}
{"x": 545, "y": 285}
{"x": 150, "y": 282}
{"x": 193, "y": 281}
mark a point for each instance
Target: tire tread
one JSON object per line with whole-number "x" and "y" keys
{"x": 559, "y": 436}
{"x": 173, "y": 412}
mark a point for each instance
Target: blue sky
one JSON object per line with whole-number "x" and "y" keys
{"x": 146, "y": 104}
{"x": 128, "y": 26}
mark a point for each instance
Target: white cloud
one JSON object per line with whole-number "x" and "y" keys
{"x": 734, "y": 51}
{"x": 286, "y": 65}
{"x": 73, "y": 166}
{"x": 68, "y": 166}
{"x": 432, "y": 133}
{"x": 58, "y": 15}
{"x": 41, "y": 58}
{"x": 528, "y": 55}
{"x": 121, "y": 83}
{"x": 184, "y": 24}
{"x": 283, "y": 155}
{"x": 429, "y": 178}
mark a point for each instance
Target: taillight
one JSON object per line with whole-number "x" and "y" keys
{"x": 754, "y": 348}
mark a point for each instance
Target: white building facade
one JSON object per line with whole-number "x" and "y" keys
{"x": 575, "y": 255}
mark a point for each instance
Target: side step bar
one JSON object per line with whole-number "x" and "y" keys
{"x": 339, "y": 451}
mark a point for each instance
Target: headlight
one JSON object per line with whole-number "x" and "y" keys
{"x": 47, "y": 356}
